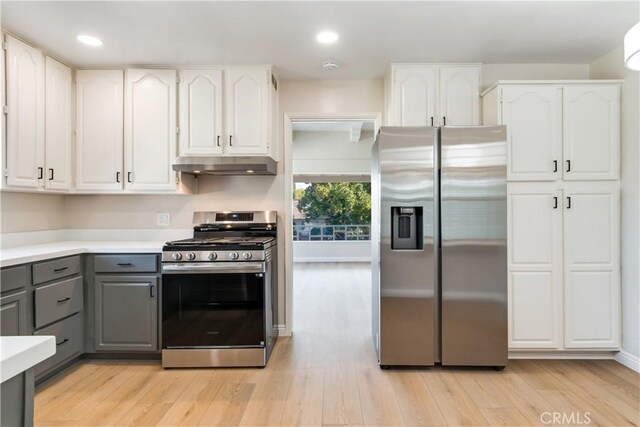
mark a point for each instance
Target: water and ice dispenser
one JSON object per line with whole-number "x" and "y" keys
{"x": 406, "y": 228}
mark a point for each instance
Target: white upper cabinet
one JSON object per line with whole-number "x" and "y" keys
{"x": 200, "y": 94}
{"x": 99, "y": 130}
{"x": 535, "y": 266}
{"x": 459, "y": 95}
{"x": 534, "y": 132}
{"x": 558, "y": 130}
{"x": 414, "y": 94}
{"x": 25, "y": 121}
{"x": 3, "y": 118}
{"x": 432, "y": 95}
{"x": 247, "y": 111}
{"x": 591, "y": 132}
{"x": 58, "y": 106}
{"x": 591, "y": 258}
{"x": 150, "y": 129}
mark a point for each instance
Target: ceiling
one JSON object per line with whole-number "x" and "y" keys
{"x": 372, "y": 34}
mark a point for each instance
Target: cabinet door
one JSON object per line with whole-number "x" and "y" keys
{"x": 200, "y": 112}
{"x": 99, "y": 131}
{"x": 535, "y": 266}
{"x": 13, "y": 314}
{"x": 57, "y": 125}
{"x": 247, "y": 111}
{"x": 126, "y": 313}
{"x": 591, "y": 256}
{"x": 25, "y": 127}
{"x": 460, "y": 95}
{"x": 533, "y": 118}
{"x": 591, "y": 132}
{"x": 414, "y": 96}
{"x": 150, "y": 129}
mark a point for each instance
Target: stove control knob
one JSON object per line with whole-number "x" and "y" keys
{"x": 212, "y": 256}
{"x": 247, "y": 255}
{"x": 177, "y": 256}
{"x": 191, "y": 256}
{"x": 233, "y": 255}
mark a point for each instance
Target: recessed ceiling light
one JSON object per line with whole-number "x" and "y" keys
{"x": 327, "y": 37}
{"x": 249, "y": 171}
{"x": 89, "y": 40}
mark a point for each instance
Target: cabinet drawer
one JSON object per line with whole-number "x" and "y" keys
{"x": 14, "y": 278}
{"x": 68, "y": 333}
{"x": 56, "y": 269}
{"x": 125, "y": 264}
{"x": 58, "y": 300}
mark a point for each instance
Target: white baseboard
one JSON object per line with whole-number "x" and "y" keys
{"x": 332, "y": 259}
{"x": 282, "y": 331}
{"x": 598, "y": 355}
{"x": 629, "y": 360}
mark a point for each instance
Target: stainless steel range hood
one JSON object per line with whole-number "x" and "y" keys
{"x": 237, "y": 165}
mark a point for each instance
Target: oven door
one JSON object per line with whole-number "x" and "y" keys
{"x": 213, "y": 305}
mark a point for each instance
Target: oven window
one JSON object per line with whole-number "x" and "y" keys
{"x": 212, "y": 310}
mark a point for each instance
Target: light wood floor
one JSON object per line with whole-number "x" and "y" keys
{"x": 327, "y": 375}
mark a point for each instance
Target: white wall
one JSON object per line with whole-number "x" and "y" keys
{"x": 493, "y": 72}
{"x": 610, "y": 66}
{"x": 21, "y": 212}
{"x": 331, "y": 152}
{"x": 342, "y": 251}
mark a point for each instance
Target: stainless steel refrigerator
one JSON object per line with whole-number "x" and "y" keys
{"x": 439, "y": 256}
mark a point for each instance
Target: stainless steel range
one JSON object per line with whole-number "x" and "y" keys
{"x": 219, "y": 292}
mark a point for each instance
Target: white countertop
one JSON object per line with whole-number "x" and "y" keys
{"x": 32, "y": 253}
{"x": 17, "y": 354}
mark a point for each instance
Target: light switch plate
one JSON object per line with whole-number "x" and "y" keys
{"x": 163, "y": 219}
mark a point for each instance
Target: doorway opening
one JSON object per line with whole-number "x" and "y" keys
{"x": 330, "y": 202}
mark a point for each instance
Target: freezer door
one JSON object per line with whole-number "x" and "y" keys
{"x": 406, "y": 249}
{"x": 474, "y": 246}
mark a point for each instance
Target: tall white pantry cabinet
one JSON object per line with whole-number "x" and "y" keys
{"x": 563, "y": 211}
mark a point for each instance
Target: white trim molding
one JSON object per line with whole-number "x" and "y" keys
{"x": 282, "y": 331}
{"x": 593, "y": 355}
{"x": 629, "y": 360}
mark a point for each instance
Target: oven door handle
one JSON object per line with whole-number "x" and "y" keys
{"x": 214, "y": 268}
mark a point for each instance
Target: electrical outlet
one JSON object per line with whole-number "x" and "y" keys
{"x": 163, "y": 219}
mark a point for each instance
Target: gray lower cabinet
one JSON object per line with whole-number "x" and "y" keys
{"x": 126, "y": 313}
{"x": 13, "y": 314}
